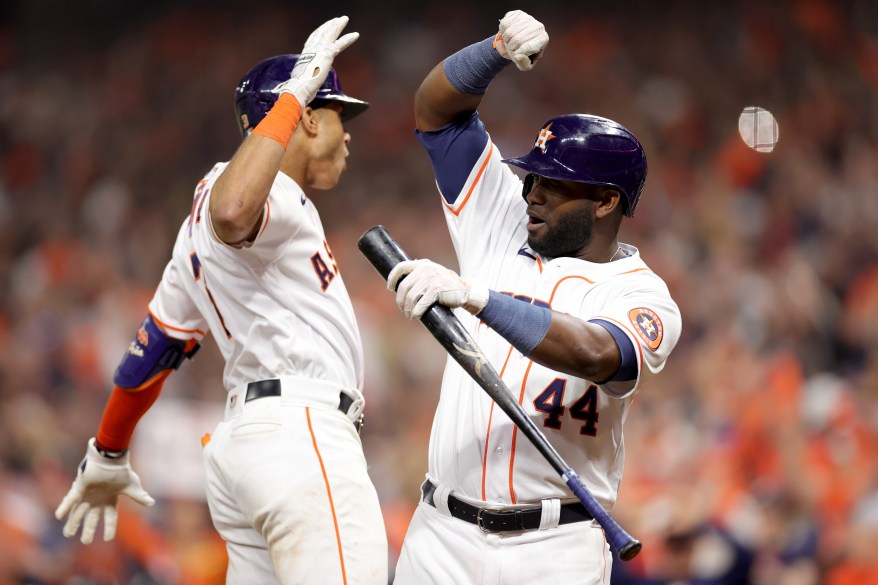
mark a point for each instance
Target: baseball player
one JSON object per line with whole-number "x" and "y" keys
{"x": 287, "y": 484}
{"x": 571, "y": 318}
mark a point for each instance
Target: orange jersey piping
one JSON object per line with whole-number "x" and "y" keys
{"x": 557, "y": 284}
{"x": 166, "y": 326}
{"x": 488, "y": 432}
{"x": 473, "y": 186}
{"x": 329, "y": 494}
{"x": 515, "y": 434}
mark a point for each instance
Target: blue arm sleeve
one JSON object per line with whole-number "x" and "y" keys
{"x": 628, "y": 368}
{"x": 471, "y": 69}
{"x": 454, "y": 150}
{"x": 520, "y": 323}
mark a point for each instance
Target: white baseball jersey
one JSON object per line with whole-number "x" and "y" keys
{"x": 287, "y": 483}
{"x": 276, "y": 307}
{"x": 474, "y": 447}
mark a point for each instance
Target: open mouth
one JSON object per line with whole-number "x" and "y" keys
{"x": 534, "y": 223}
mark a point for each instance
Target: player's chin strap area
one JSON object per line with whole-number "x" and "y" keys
{"x": 548, "y": 514}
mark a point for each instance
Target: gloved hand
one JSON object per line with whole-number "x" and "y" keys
{"x": 522, "y": 38}
{"x": 427, "y": 282}
{"x": 96, "y": 489}
{"x": 316, "y": 58}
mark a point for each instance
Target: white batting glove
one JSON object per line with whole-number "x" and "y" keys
{"x": 427, "y": 283}
{"x": 96, "y": 489}
{"x": 522, "y": 38}
{"x": 316, "y": 58}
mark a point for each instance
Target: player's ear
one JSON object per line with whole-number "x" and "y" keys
{"x": 608, "y": 201}
{"x": 310, "y": 121}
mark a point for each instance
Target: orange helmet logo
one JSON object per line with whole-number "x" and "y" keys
{"x": 544, "y": 136}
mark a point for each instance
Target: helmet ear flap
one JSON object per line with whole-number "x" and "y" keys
{"x": 528, "y": 185}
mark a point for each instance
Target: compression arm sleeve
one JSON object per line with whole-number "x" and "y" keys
{"x": 139, "y": 379}
{"x": 124, "y": 410}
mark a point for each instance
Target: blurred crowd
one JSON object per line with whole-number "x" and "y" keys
{"x": 752, "y": 459}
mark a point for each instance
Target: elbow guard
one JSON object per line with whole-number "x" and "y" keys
{"x": 151, "y": 353}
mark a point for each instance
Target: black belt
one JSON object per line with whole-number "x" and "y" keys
{"x": 267, "y": 388}
{"x": 493, "y": 520}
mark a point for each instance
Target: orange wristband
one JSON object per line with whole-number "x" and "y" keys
{"x": 281, "y": 121}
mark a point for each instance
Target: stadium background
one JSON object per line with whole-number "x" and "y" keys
{"x": 751, "y": 459}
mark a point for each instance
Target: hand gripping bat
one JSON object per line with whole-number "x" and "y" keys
{"x": 384, "y": 253}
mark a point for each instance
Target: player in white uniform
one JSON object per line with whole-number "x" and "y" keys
{"x": 572, "y": 319}
{"x": 287, "y": 484}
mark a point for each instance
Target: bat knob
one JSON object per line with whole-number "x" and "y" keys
{"x": 630, "y": 550}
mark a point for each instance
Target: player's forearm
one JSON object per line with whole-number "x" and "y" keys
{"x": 556, "y": 340}
{"x": 123, "y": 411}
{"x": 139, "y": 379}
{"x": 578, "y": 348}
{"x": 238, "y": 198}
{"x": 437, "y": 102}
{"x": 552, "y": 339}
{"x": 456, "y": 85}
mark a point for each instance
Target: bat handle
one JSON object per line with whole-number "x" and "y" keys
{"x": 382, "y": 251}
{"x": 623, "y": 543}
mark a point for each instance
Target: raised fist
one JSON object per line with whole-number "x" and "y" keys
{"x": 522, "y": 39}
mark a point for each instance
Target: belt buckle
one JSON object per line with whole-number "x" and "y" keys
{"x": 479, "y": 523}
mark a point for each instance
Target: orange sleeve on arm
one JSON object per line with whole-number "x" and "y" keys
{"x": 281, "y": 121}
{"x": 124, "y": 410}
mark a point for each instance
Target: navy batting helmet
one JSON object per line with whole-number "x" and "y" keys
{"x": 588, "y": 149}
{"x": 257, "y": 92}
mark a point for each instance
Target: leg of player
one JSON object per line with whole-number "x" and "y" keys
{"x": 311, "y": 515}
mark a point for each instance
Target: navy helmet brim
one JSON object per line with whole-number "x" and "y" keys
{"x": 351, "y": 107}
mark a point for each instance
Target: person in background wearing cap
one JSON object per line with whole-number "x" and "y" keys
{"x": 287, "y": 484}
{"x": 572, "y": 319}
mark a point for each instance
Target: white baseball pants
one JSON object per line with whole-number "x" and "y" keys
{"x": 439, "y": 549}
{"x": 288, "y": 491}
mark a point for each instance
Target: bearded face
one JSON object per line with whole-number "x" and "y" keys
{"x": 566, "y": 234}
{"x": 561, "y": 217}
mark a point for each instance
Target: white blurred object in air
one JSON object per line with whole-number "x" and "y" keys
{"x": 758, "y": 129}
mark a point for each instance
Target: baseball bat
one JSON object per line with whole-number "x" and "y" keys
{"x": 383, "y": 252}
